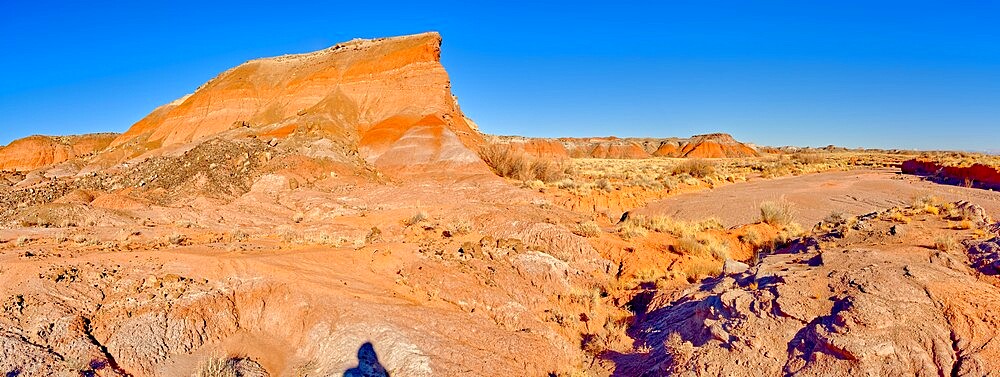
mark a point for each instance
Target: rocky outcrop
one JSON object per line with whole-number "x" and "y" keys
{"x": 977, "y": 175}
{"x": 385, "y": 98}
{"x": 700, "y": 146}
{"x": 879, "y": 305}
{"x": 37, "y": 151}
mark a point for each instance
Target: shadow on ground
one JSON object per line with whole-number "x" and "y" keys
{"x": 368, "y": 364}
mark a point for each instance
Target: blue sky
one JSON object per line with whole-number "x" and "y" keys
{"x": 922, "y": 75}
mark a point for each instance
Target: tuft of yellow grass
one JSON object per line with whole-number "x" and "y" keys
{"x": 777, "y": 213}
{"x": 588, "y": 229}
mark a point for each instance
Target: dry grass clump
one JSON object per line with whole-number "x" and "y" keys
{"x": 898, "y": 216}
{"x": 696, "y": 269}
{"x": 631, "y": 229}
{"x": 587, "y": 229}
{"x": 777, "y": 213}
{"x": 510, "y": 163}
{"x": 963, "y": 225}
{"x": 703, "y": 244}
{"x": 546, "y": 171}
{"x": 81, "y": 239}
{"x": 945, "y": 243}
{"x": 697, "y": 168}
{"x": 417, "y": 218}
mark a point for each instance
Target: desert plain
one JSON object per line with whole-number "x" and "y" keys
{"x": 336, "y": 213}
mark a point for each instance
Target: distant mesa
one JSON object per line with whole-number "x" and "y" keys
{"x": 715, "y": 145}
{"x": 36, "y": 151}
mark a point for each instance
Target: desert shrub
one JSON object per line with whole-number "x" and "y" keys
{"x": 510, "y": 163}
{"x": 924, "y": 201}
{"x": 945, "y": 243}
{"x": 835, "y": 218}
{"x": 417, "y": 218}
{"x": 604, "y": 184}
{"x": 216, "y": 367}
{"x": 505, "y": 161}
{"x": 546, "y": 171}
{"x": 789, "y": 232}
{"x": 587, "y": 229}
{"x": 963, "y": 225}
{"x": 898, "y": 217}
{"x": 697, "y": 168}
{"x": 777, "y": 213}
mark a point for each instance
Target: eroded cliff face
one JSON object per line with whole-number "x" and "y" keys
{"x": 37, "y": 151}
{"x": 382, "y": 98}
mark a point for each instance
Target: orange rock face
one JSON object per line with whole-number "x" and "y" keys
{"x": 37, "y": 151}
{"x": 382, "y": 97}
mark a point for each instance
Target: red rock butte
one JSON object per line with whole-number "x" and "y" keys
{"x": 385, "y": 98}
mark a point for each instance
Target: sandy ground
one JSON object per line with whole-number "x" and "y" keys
{"x": 815, "y": 196}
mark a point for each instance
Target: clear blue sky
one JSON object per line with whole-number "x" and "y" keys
{"x": 896, "y": 74}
